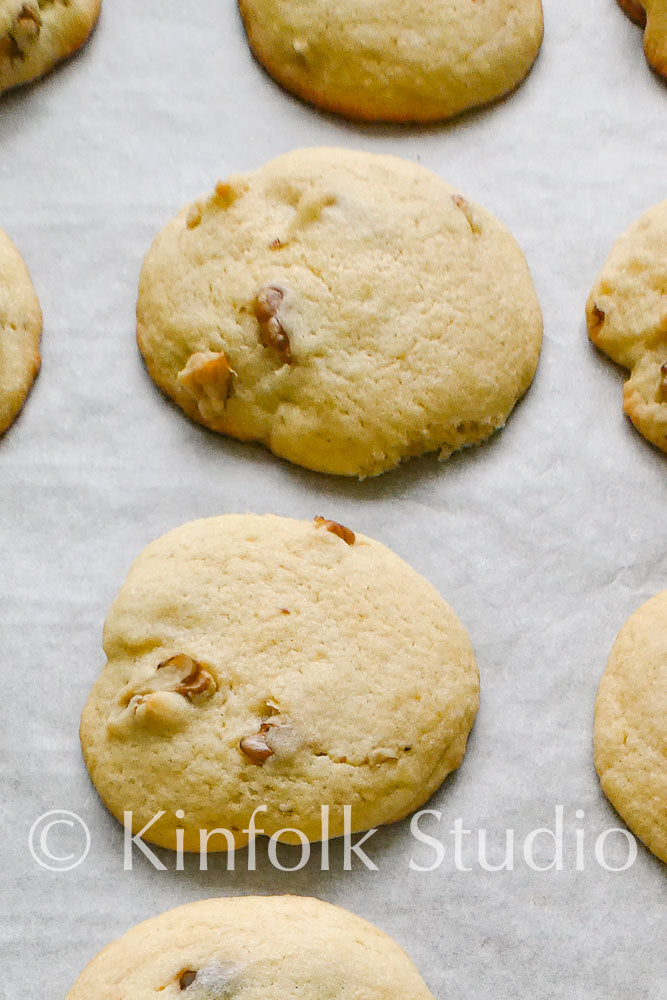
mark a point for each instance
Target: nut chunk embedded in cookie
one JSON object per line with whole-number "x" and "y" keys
{"x": 211, "y": 981}
{"x": 662, "y": 387}
{"x": 18, "y": 30}
{"x": 256, "y": 747}
{"x": 28, "y": 24}
{"x": 271, "y": 333}
{"x": 163, "y": 700}
{"x": 336, "y": 529}
{"x": 186, "y": 978}
{"x": 208, "y": 378}
{"x": 188, "y": 676}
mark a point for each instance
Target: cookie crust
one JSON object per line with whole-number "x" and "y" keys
{"x": 405, "y": 62}
{"x": 226, "y": 646}
{"x": 20, "y": 332}
{"x": 250, "y": 948}
{"x": 630, "y": 736}
{"x": 345, "y": 309}
{"x": 37, "y": 34}
{"x": 626, "y": 315}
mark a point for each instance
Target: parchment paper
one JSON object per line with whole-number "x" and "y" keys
{"x": 545, "y": 540}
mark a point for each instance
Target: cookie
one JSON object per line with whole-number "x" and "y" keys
{"x": 401, "y": 62}
{"x": 251, "y": 948}
{"x": 631, "y": 725}
{"x": 263, "y": 661}
{"x": 37, "y": 34}
{"x": 652, "y": 16}
{"x": 20, "y": 332}
{"x": 626, "y": 315}
{"x": 346, "y": 309}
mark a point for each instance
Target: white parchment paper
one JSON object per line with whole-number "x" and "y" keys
{"x": 544, "y": 540}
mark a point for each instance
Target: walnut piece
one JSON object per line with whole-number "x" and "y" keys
{"x": 469, "y": 213}
{"x": 196, "y": 681}
{"x": 194, "y": 216}
{"x": 208, "y": 377}
{"x": 186, "y": 978}
{"x": 271, "y": 333}
{"x": 256, "y": 748}
{"x": 595, "y": 320}
{"x": 163, "y": 701}
{"x": 214, "y": 979}
{"x": 29, "y": 21}
{"x": 227, "y": 192}
{"x": 635, "y": 10}
{"x": 662, "y": 388}
{"x": 336, "y": 529}
{"x": 25, "y": 29}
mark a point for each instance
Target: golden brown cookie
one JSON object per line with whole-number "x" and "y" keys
{"x": 631, "y": 725}
{"x": 268, "y": 662}
{"x": 20, "y": 332}
{"x": 652, "y": 16}
{"x": 37, "y": 34}
{"x": 252, "y": 948}
{"x": 348, "y": 310}
{"x": 395, "y": 61}
{"x": 626, "y": 315}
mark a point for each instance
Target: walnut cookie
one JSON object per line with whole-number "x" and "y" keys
{"x": 37, "y": 34}
{"x": 20, "y": 332}
{"x": 388, "y": 61}
{"x": 228, "y": 647}
{"x": 346, "y": 309}
{"x": 626, "y": 315}
{"x": 251, "y": 948}
{"x": 631, "y": 725}
{"x": 652, "y": 16}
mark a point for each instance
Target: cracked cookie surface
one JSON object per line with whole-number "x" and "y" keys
{"x": 252, "y": 948}
{"x": 20, "y": 332}
{"x": 626, "y": 316}
{"x": 404, "y": 62}
{"x": 345, "y": 309}
{"x": 631, "y": 725}
{"x": 37, "y": 34}
{"x": 651, "y": 15}
{"x": 268, "y": 661}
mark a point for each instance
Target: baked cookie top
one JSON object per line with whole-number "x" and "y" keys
{"x": 20, "y": 332}
{"x": 252, "y": 948}
{"x": 408, "y": 61}
{"x": 36, "y": 34}
{"x": 259, "y": 660}
{"x": 631, "y": 725}
{"x": 346, "y": 309}
{"x": 627, "y": 319}
{"x": 652, "y": 16}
